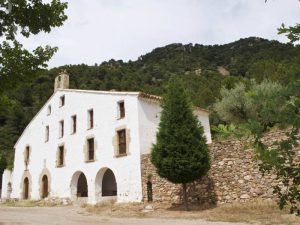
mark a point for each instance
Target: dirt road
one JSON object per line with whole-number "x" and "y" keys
{"x": 79, "y": 216}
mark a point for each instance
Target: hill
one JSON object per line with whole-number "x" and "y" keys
{"x": 204, "y": 70}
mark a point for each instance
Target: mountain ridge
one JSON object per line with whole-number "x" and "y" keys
{"x": 198, "y": 65}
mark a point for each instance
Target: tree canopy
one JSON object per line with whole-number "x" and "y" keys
{"x": 204, "y": 70}
{"x": 180, "y": 153}
{"x": 25, "y": 17}
{"x": 258, "y": 108}
{"x": 291, "y": 32}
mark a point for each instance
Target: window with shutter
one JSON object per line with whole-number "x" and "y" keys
{"x": 91, "y": 151}
{"x": 122, "y": 141}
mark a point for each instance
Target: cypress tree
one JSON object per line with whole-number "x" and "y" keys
{"x": 180, "y": 153}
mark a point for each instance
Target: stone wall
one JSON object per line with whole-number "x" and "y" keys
{"x": 234, "y": 177}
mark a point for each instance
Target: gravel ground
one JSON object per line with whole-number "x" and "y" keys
{"x": 79, "y": 216}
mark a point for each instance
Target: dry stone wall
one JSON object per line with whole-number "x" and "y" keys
{"x": 234, "y": 177}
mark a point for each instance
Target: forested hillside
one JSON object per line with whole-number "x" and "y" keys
{"x": 203, "y": 69}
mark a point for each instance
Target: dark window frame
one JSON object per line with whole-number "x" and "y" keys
{"x": 91, "y": 149}
{"x": 121, "y": 106}
{"x": 47, "y": 133}
{"x": 122, "y": 142}
{"x": 49, "y": 110}
{"x": 62, "y": 101}
{"x": 61, "y": 156}
{"x": 90, "y": 118}
{"x": 61, "y": 128}
{"x": 74, "y": 124}
{"x": 27, "y": 155}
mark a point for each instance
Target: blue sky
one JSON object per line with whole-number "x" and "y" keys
{"x": 98, "y": 30}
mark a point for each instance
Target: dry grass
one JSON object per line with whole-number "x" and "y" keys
{"x": 259, "y": 212}
{"x": 117, "y": 210}
{"x": 23, "y": 203}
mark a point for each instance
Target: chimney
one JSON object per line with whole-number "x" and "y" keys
{"x": 62, "y": 81}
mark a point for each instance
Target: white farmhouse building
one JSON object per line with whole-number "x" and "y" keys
{"x": 88, "y": 144}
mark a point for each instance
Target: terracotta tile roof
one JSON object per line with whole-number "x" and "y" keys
{"x": 157, "y": 99}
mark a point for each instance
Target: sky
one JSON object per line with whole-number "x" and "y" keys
{"x": 99, "y": 30}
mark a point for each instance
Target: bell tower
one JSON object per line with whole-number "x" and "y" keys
{"x": 62, "y": 81}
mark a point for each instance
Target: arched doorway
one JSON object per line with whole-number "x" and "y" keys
{"x": 45, "y": 190}
{"x": 82, "y": 187}
{"x": 45, "y": 183}
{"x": 109, "y": 184}
{"x": 79, "y": 187}
{"x": 26, "y": 188}
{"x": 105, "y": 184}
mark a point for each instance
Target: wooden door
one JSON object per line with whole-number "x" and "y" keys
{"x": 26, "y": 188}
{"x": 45, "y": 186}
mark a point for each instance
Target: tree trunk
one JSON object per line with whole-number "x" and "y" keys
{"x": 185, "y": 200}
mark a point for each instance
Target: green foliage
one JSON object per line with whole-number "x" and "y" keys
{"x": 18, "y": 65}
{"x": 260, "y": 102}
{"x": 292, "y": 32}
{"x": 271, "y": 70}
{"x": 270, "y": 105}
{"x": 234, "y": 104}
{"x": 30, "y": 17}
{"x": 283, "y": 160}
{"x": 224, "y": 131}
{"x": 180, "y": 154}
{"x": 197, "y": 66}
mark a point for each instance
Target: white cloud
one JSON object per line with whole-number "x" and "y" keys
{"x": 99, "y": 30}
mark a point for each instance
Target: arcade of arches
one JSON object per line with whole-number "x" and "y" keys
{"x": 105, "y": 185}
{"x": 109, "y": 185}
{"x": 82, "y": 187}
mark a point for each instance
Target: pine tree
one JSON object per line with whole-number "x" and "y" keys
{"x": 180, "y": 154}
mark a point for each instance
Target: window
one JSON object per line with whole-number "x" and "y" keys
{"x": 122, "y": 141}
{"x": 121, "y": 110}
{"x": 90, "y": 119}
{"x": 27, "y": 154}
{"x": 49, "y": 110}
{"x": 74, "y": 124}
{"x": 47, "y": 134}
{"x": 91, "y": 150}
{"x": 61, "y": 156}
{"x": 62, "y": 101}
{"x": 61, "y": 129}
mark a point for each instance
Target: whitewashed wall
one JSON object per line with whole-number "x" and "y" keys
{"x": 203, "y": 118}
{"x": 141, "y": 121}
{"x": 6, "y": 179}
{"x": 43, "y": 155}
{"x": 149, "y": 118}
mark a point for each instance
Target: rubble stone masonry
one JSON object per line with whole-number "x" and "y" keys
{"x": 234, "y": 177}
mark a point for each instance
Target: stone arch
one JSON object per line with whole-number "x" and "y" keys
{"x": 42, "y": 191}
{"x": 26, "y": 184}
{"x": 79, "y": 186}
{"x": 105, "y": 184}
